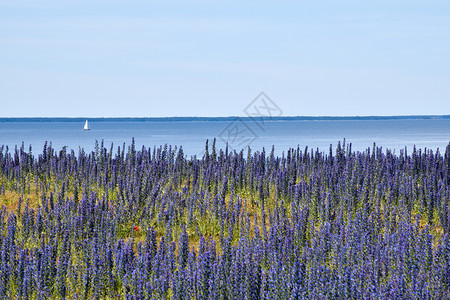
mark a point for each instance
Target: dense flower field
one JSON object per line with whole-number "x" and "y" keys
{"x": 124, "y": 223}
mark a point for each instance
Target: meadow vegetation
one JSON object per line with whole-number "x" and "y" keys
{"x": 145, "y": 223}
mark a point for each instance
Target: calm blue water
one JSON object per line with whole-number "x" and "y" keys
{"x": 392, "y": 134}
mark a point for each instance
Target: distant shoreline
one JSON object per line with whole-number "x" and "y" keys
{"x": 209, "y": 119}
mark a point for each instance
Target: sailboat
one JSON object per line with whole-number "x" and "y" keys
{"x": 86, "y": 126}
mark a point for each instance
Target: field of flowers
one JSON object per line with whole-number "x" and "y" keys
{"x": 126, "y": 223}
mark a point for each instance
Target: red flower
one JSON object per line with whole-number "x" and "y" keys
{"x": 136, "y": 228}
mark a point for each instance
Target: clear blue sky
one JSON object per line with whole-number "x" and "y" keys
{"x": 211, "y": 58}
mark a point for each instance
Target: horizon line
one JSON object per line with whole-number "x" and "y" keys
{"x": 206, "y": 118}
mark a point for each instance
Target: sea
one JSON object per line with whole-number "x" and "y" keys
{"x": 236, "y": 133}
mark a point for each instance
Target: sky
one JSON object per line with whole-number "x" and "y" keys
{"x": 212, "y": 58}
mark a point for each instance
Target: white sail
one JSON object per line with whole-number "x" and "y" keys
{"x": 86, "y": 126}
